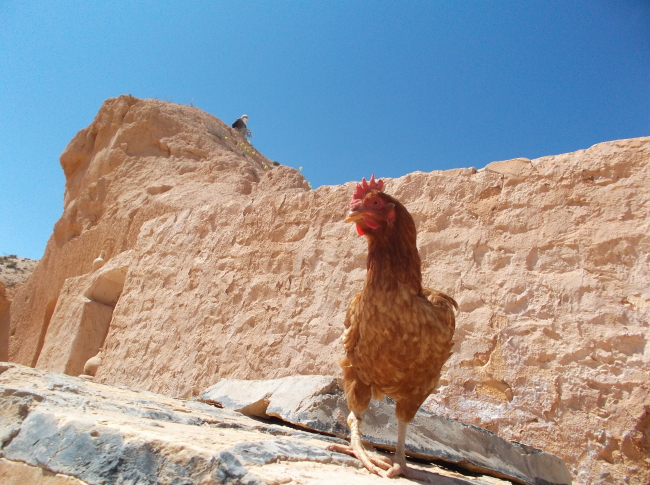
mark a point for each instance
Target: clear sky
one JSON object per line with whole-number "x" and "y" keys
{"x": 342, "y": 88}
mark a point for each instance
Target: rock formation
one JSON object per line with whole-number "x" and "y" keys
{"x": 219, "y": 264}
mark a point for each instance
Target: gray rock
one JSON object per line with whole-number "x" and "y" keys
{"x": 94, "y": 432}
{"x": 272, "y": 451}
{"x": 76, "y": 447}
{"x": 15, "y": 408}
{"x": 116, "y": 435}
{"x": 312, "y": 402}
{"x": 318, "y": 403}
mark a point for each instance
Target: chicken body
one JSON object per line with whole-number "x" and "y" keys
{"x": 396, "y": 343}
{"x": 398, "y": 335}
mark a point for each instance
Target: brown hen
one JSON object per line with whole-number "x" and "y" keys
{"x": 397, "y": 334}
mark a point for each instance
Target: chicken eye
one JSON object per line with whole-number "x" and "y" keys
{"x": 376, "y": 203}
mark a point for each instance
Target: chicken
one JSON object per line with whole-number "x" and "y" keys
{"x": 397, "y": 334}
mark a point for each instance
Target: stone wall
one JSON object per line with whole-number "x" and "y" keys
{"x": 234, "y": 268}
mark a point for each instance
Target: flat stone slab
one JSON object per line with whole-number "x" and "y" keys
{"x": 72, "y": 430}
{"x": 318, "y": 403}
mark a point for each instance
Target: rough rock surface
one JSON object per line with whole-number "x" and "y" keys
{"x": 318, "y": 403}
{"x": 234, "y": 268}
{"x": 77, "y": 430}
{"x": 5, "y": 305}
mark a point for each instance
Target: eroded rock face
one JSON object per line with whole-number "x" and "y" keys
{"x": 138, "y": 160}
{"x": 237, "y": 270}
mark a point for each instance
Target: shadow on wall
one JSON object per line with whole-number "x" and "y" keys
{"x": 4, "y": 324}
{"x": 80, "y": 322}
{"x": 49, "y": 311}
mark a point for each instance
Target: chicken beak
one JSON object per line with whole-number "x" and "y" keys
{"x": 354, "y": 216}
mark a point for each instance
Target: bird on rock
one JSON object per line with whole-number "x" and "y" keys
{"x": 240, "y": 125}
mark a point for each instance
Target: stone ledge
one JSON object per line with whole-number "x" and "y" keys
{"x": 63, "y": 430}
{"x": 318, "y": 403}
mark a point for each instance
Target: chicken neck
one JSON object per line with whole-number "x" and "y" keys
{"x": 393, "y": 257}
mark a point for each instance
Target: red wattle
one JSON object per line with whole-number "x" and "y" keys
{"x": 359, "y": 230}
{"x": 370, "y": 222}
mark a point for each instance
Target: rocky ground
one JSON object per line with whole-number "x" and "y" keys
{"x": 57, "y": 429}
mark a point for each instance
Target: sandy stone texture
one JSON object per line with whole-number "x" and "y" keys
{"x": 235, "y": 268}
{"x": 19, "y": 473}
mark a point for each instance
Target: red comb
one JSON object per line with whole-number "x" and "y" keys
{"x": 364, "y": 187}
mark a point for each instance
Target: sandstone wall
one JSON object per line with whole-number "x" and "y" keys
{"x": 5, "y": 304}
{"x": 139, "y": 159}
{"x": 235, "y": 268}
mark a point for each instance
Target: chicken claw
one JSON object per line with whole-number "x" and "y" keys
{"x": 419, "y": 476}
{"x": 374, "y": 463}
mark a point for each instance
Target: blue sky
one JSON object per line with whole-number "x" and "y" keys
{"x": 343, "y": 89}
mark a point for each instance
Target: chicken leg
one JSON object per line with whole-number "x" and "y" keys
{"x": 399, "y": 467}
{"x": 399, "y": 463}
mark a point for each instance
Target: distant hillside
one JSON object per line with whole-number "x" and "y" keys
{"x": 14, "y": 270}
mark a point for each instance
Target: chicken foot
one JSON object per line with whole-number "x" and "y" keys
{"x": 382, "y": 465}
{"x": 374, "y": 463}
{"x": 399, "y": 467}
